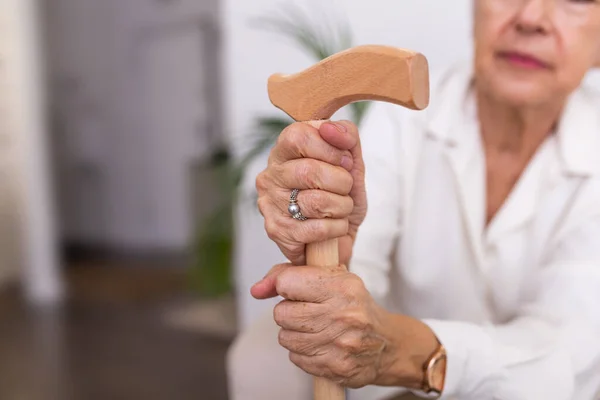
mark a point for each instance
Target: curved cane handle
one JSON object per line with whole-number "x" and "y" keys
{"x": 380, "y": 73}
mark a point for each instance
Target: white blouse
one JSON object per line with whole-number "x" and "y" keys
{"x": 517, "y": 303}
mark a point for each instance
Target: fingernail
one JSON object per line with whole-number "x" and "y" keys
{"x": 340, "y": 127}
{"x": 347, "y": 163}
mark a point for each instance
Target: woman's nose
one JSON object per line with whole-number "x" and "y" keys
{"x": 534, "y": 16}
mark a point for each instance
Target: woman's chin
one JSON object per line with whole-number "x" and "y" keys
{"x": 522, "y": 94}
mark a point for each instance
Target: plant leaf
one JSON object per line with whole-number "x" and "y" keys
{"x": 319, "y": 39}
{"x": 210, "y": 273}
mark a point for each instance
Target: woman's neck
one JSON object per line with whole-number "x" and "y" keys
{"x": 517, "y": 130}
{"x": 511, "y": 136}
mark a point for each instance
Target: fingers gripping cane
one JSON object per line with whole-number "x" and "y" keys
{"x": 375, "y": 73}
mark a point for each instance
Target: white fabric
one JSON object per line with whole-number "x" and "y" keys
{"x": 517, "y": 304}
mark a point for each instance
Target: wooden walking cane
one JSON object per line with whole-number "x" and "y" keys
{"x": 376, "y": 73}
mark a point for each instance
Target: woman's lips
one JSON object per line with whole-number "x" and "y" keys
{"x": 523, "y": 60}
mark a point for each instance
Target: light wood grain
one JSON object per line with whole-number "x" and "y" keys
{"x": 325, "y": 254}
{"x": 376, "y": 73}
{"x": 327, "y": 390}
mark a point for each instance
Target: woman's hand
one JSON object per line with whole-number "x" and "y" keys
{"x": 333, "y": 328}
{"x": 323, "y": 161}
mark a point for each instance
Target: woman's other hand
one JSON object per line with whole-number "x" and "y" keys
{"x": 333, "y": 328}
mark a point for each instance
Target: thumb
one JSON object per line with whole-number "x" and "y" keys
{"x": 265, "y": 288}
{"x": 341, "y": 134}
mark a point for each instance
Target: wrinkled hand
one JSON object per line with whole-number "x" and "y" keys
{"x": 334, "y": 329}
{"x": 324, "y": 161}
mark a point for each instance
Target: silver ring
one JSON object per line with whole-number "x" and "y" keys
{"x": 294, "y": 208}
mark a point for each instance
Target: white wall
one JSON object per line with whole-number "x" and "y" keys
{"x": 9, "y": 258}
{"x": 25, "y": 132}
{"x": 439, "y": 29}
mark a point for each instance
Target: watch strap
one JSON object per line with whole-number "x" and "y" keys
{"x": 434, "y": 371}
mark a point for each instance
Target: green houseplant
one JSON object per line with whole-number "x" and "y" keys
{"x": 210, "y": 274}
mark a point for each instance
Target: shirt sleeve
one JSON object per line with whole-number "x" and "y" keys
{"x": 378, "y": 234}
{"x": 550, "y": 348}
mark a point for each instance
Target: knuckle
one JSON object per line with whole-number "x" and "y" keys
{"x": 293, "y": 136}
{"x": 295, "y": 129}
{"x": 330, "y": 228}
{"x": 316, "y": 205}
{"x": 286, "y": 139}
{"x": 333, "y": 154}
{"x": 272, "y": 229}
{"x": 352, "y": 295}
{"x": 261, "y": 203}
{"x": 347, "y": 181}
{"x": 340, "y": 228}
{"x": 316, "y": 230}
{"x": 345, "y": 368}
{"x": 279, "y": 314}
{"x": 283, "y": 338}
{"x": 283, "y": 136}
{"x": 283, "y": 282}
{"x": 357, "y": 320}
{"x": 261, "y": 182}
{"x": 296, "y": 359}
{"x": 348, "y": 205}
{"x": 305, "y": 139}
{"x": 348, "y": 343}
{"x": 353, "y": 318}
{"x": 322, "y": 229}
{"x": 305, "y": 171}
{"x": 353, "y": 284}
{"x": 294, "y": 253}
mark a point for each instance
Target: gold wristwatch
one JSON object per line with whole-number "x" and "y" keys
{"x": 434, "y": 372}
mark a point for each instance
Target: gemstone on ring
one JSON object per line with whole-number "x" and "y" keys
{"x": 293, "y": 208}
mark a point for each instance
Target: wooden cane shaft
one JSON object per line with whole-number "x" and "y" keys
{"x": 327, "y": 390}
{"x": 326, "y": 255}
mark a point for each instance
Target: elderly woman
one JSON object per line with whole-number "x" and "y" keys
{"x": 475, "y": 272}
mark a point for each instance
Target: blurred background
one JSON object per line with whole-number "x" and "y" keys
{"x": 131, "y": 132}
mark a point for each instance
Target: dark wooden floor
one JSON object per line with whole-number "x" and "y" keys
{"x": 108, "y": 342}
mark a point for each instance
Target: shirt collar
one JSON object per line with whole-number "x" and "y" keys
{"x": 451, "y": 105}
{"x": 578, "y": 132}
{"x": 452, "y": 111}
